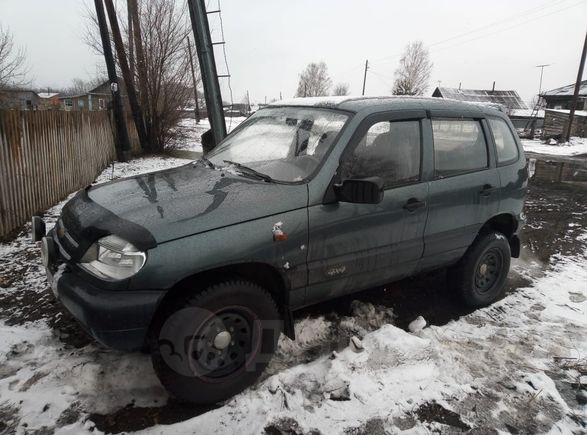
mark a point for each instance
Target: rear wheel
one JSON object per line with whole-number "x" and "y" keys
{"x": 480, "y": 276}
{"x": 212, "y": 345}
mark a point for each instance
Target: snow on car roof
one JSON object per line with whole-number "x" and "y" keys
{"x": 329, "y": 101}
{"x": 357, "y": 103}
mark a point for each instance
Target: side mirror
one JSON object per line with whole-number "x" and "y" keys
{"x": 360, "y": 191}
{"x": 208, "y": 142}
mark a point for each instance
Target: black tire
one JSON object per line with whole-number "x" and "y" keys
{"x": 186, "y": 331}
{"x": 480, "y": 275}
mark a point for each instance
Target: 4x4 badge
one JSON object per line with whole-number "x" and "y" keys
{"x": 336, "y": 270}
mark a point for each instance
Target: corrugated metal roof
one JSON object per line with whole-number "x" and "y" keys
{"x": 508, "y": 99}
{"x": 568, "y": 90}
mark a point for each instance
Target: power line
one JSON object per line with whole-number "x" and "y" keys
{"x": 517, "y": 16}
{"x": 511, "y": 27}
{"x": 502, "y": 30}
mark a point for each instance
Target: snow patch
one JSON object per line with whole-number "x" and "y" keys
{"x": 575, "y": 147}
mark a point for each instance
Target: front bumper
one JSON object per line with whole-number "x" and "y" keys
{"x": 117, "y": 318}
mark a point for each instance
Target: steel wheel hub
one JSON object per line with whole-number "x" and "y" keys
{"x": 221, "y": 345}
{"x": 222, "y": 340}
{"x": 488, "y": 271}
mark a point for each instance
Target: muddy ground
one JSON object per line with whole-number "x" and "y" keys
{"x": 556, "y": 212}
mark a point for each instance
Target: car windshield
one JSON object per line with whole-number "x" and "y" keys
{"x": 283, "y": 143}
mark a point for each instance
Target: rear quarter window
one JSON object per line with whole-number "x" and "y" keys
{"x": 507, "y": 149}
{"x": 459, "y": 146}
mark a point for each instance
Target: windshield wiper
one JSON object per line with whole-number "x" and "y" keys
{"x": 207, "y": 162}
{"x": 246, "y": 170}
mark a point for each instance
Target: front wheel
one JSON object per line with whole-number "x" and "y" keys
{"x": 480, "y": 276}
{"x": 212, "y": 345}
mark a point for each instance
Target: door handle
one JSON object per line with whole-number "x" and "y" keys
{"x": 487, "y": 190}
{"x": 413, "y": 204}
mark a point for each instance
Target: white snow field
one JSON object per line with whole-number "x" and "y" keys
{"x": 514, "y": 366}
{"x": 190, "y": 132}
{"x": 575, "y": 147}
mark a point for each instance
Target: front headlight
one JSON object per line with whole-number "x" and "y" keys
{"x": 112, "y": 259}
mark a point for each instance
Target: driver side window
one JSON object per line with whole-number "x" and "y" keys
{"x": 390, "y": 150}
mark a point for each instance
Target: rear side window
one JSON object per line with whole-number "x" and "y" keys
{"x": 390, "y": 150}
{"x": 459, "y": 146}
{"x": 507, "y": 150}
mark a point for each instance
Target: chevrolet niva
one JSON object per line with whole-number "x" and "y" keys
{"x": 307, "y": 200}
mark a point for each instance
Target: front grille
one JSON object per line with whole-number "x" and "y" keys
{"x": 67, "y": 244}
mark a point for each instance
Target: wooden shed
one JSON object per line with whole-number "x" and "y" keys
{"x": 555, "y": 123}
{"x": 562, "y": 98}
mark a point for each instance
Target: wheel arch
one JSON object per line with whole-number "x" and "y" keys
{"x": 262, "y": 274}
{"x": 506, "y": 224}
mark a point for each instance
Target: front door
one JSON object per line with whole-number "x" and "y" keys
{"x": 356, "y": 246}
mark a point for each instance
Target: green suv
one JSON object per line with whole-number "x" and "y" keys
{"x": 307, "y": 200}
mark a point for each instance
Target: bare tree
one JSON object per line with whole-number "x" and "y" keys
{"x": 13, "y": 70}
{"x": 341, "y": 89}
{"x": 81, "y": 86}
{"x": 162, "y": 69}
{"x": 413, "y": 73}
{"x": 126, "y": 73}
{"x": 314, "y": 81}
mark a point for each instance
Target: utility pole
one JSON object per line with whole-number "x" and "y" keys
{"x": 577, "y": 87}
{"x": 122, "y": 142}
{"x": 205, "y": 49}
{"x": 248, "y": 103}
{"x": 187, "y": 38}
{"x": 541, "y": 75}
{"x": 128, "y": 79}
{"x": 365, "y": 75}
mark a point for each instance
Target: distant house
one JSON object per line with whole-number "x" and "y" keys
{"x": 236, "y": 110}
{"x": 562, "y": 98}
{"x": 558, "y": 105}
{"x": 519, "y": 113}
{"x": 49, "y": 101}
{"x": 509, "y": 100}
{"x": 19, "y": 99}
{"x": 96, "y": 99}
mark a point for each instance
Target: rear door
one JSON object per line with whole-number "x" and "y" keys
{"x": 464, "y": 192}
{"x": 355, "y": 246}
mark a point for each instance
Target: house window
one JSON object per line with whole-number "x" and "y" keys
{"x": 101, "y": 104}
{"x": 80, "y": 103}
{"x": 68, "y": 104}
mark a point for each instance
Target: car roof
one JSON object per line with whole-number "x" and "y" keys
{"x": 360, "y": 103}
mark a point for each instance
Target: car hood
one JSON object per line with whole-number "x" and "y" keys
{"x": 190, "y": 199}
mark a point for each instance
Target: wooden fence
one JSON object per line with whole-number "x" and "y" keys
{"x": 46, "y": 155}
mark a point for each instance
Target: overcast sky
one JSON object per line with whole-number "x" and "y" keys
{"x": 270, "y": 41}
